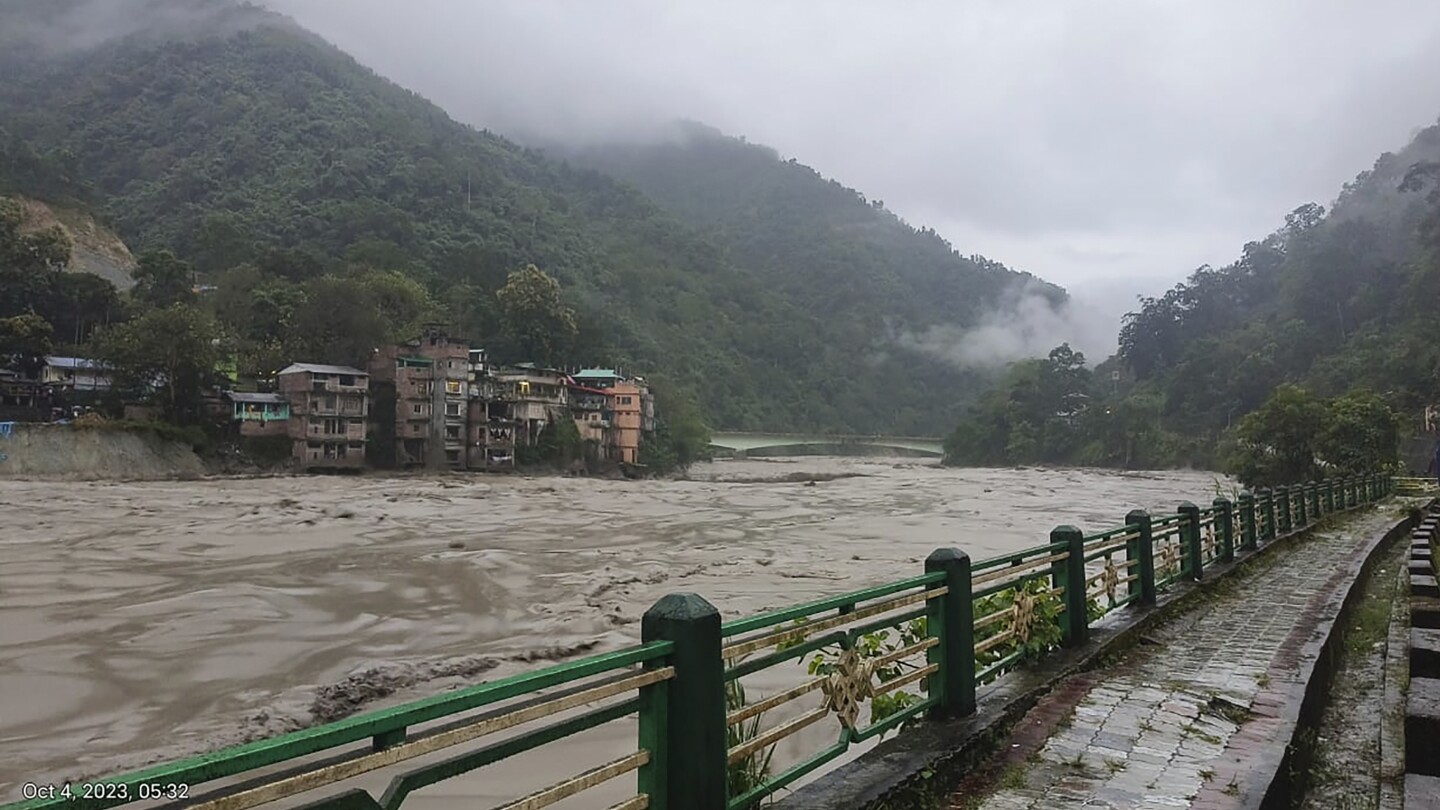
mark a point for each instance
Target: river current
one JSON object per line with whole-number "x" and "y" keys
{"x": 153, "y": 620}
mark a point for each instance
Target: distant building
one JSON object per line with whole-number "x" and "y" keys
{"x": 536, "y": 398}
{"x": 328, "y": 410}
{"x": 590, "y": 408}
{"x": 75, "y": 374}
{"x": 422, "y": 402}
{"x": 628, "y": 412}
{"x": 492, "y": 418}
{"x": 624, "y": 438}
{"x": 259, "y": 414}
{"x": 23, "y": 399}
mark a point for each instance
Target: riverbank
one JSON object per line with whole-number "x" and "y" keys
{"x": 123, "y": 453}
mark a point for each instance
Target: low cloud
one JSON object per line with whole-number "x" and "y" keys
{"x": 60, "y": 27}
{"x": 1026, "y": 324}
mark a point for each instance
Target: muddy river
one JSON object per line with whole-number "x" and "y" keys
{"x": 151, "y": 620}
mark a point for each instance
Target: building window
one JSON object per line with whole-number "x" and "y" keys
{"x": 347, "y": 379}
{"x": 452, "y": 409}
{"x": 417, "y": 407}
{"x": 452, "y": 387}
{"x": 452, "y": 432}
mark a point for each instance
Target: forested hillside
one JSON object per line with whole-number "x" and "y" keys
{"x": 331, "y": 209}
{"x": 1335, "y": 309}
{"x": 811, "y": 237}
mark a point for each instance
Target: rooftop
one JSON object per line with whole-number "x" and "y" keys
{"x": 317, "y": 368}
{"x": 596, "y": 374}
{"x": 72, "y": 362}
{"x": 242, "y": 396}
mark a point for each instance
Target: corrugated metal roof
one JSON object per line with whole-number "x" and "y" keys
{"x": 243, "y": 396}
{"x": 72, "y": 362}
{"x": 317, "y": 368}
{"x": 595, "y": 373}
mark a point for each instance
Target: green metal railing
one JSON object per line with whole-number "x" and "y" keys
{"x": 912, "y": 649}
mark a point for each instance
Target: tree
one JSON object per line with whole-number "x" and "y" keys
{"x": 343, "y": 318}
{"x": 681, "y": 437}
{"x": 1361, "y": 434}
{"x": 534, "y": 315}
{"x": 24, "y": 342}
{"x": 167, "y": 355}
{"x": 162, "y": 280}
{"x": 1277, "y": 441}
{"x": 33, "y": 252}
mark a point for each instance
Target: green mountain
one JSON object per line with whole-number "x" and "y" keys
{"x": 1340, "y": 302}
{"x": 815, "y": 240}
{"x": 279, "y": 168}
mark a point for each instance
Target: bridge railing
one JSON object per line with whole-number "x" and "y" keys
{"x": 907, "y": 650}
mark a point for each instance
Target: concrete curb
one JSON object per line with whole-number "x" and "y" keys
{"x": 1305, "y": 700}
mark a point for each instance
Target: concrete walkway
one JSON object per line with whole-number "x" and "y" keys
{"x": 1193, "y": 717}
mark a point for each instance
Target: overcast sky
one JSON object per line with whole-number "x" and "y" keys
{"x": 1109, "y": 146}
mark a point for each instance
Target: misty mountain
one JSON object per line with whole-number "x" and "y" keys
{"x": 226, "y": 134}
{"x": 810, "y": 236}
{"x": 1341, "y": 302}
{"x": 1335, "y": 299}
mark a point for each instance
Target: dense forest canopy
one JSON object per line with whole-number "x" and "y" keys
{"x": 1311, "y": 350}
{"x": 329, "y": 208}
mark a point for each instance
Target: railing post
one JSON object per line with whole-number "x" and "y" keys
{"x": 1247, "y": 520}
{"x": 1313, "y": 490}
{"x": 1348, "y": 489}
{"x": 1225, "y": 527}
{"x": 694, "y": 722}
{"x": 1329, "y": 485}
{"x": 1070, "y": 573}
{"x": 1190, "y": 536}
{"x": 1286, "y": 523}
{"x": 1271, "y": 527}
{"x": 1302, "y": 506}
{"x": 1141, "y": 548}
{"x": 951, "y": 618}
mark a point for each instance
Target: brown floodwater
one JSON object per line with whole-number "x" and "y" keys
{"x": 141, "y": 621}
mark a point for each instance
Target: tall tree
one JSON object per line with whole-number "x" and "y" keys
{"x": 162, "y": 280}
{"x": 534, "y": 315}
{"x": 166, "y": 355}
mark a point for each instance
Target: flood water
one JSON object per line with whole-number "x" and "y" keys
{"x": 153, "y": 620}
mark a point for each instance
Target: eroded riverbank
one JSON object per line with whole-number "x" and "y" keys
{"x": 156, "y": 619}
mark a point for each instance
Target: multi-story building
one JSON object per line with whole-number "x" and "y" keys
{"x": 328, "y": 409}
{"x": 624, "y": 438}
{"x": 629, "y": 411}
{"x": 492, "y": 419}
{"x": 590, "y": 408}
{"x": 536, "y": 396}
{"x": 421, "y": 400}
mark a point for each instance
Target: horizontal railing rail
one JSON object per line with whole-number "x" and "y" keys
{"x": 913, "y": 649}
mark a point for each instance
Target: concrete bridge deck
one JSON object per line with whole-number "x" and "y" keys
{"x": 741, "y": 443}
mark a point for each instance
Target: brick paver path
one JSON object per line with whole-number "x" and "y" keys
{"x": 1175, "y": 724}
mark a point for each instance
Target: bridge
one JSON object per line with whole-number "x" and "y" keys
{"x": 762, "y": 444}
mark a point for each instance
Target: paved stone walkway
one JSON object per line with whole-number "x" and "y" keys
{"x": 1180, "y": 721}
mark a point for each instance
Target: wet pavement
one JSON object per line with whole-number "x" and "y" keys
{"x": 1180, "y": 721}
